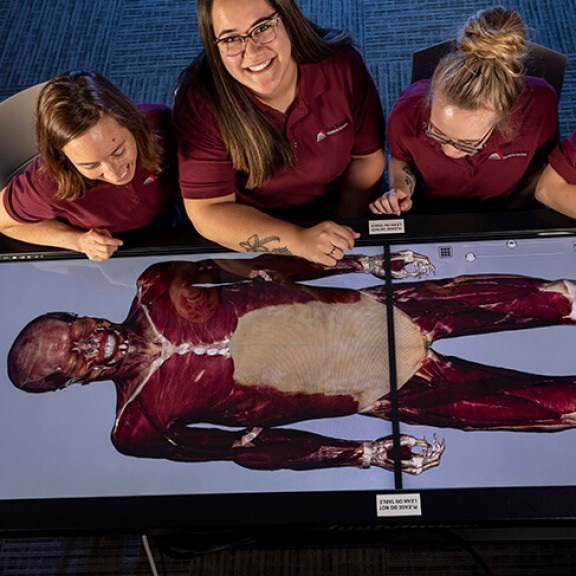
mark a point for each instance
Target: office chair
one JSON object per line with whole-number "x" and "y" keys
{"x": 17, "y": 132}
{"x": 540, "y": 61}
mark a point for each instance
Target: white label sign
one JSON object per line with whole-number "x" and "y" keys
{"x": 385, "y": 227}
{"x": 398, "y": 505}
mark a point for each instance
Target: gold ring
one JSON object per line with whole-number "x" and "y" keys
{"x": 331, "y": 253}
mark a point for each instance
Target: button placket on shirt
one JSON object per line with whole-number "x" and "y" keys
{"x": 299, "y": 112}
{"x": 132, "y": 196}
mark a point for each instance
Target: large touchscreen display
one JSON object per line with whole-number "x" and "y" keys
{"x": 209, "y": 374}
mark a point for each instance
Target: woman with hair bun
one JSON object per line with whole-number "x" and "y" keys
{"x": 477, "y": 135}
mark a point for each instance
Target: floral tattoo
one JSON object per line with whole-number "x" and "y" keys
{"x": 254, "y": 244}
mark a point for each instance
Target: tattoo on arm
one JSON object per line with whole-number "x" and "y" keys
{"x": 409, "y": 179}
{"x": 254, "y": 244}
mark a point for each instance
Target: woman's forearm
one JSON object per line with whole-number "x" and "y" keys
{"x": 45, "y": 233}
{"x": 360, "y": 184}
{"x": 553, "y": 191}
{"x": 246, "y": 229}
{"x": 401, "y": 176}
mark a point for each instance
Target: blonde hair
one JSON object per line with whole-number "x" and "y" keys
{"x": 486, "y": 67}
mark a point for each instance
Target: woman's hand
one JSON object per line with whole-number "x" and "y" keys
{"x": 325, "y": 243}
{"x": 98, "y": 244}
{"x": 394, "y": 201}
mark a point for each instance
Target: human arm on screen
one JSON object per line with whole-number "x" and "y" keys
{"x": 97, "y": 243}
{"x": 360, "y": 184}
{"x": 246, "y": 229}
{"x": 398, "y": 199}
{"x": 556, "y": 193}
{"x": 278, "y": 448}
{"x": 179, "y": 278}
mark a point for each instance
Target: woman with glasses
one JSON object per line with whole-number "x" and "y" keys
{"x": 279, "y": 123}
{"x": 105, "y": 166}
{"x": 556, "y": 187}
{"x": 475, "y": 136}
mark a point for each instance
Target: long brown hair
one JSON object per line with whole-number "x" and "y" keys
{"x": 74, "y": 102}
{"x": 256, "y": 146}
{"x": 485, "y": 69}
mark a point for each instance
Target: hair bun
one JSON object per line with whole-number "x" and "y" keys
{"x": 496, "y": 34}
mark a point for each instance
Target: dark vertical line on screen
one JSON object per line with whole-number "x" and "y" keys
{"x": 396, "y": 451}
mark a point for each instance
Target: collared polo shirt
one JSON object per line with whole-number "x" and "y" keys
{"x": 30, "y": 197}
{"x": 491, "y": 174}
{"x": 336, "y": 114}
{"x": 563, "y": 159}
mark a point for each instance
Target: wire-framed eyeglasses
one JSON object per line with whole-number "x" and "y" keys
{"x": 261, "y": 34}
{"x": 433, "y": 133}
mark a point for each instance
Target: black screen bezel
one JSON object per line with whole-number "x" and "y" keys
{"x": 441, "y": 507}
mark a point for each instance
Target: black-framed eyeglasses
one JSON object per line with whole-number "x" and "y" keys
{"x": 261, "y": 34}
{"x": 467, "y": 149}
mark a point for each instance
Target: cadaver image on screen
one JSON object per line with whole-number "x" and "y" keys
{"x": 244, "y": 343}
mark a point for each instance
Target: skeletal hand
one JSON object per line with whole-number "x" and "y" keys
{"x": 417, "y": 455}
{"x": 420, "y": 265}
{"x": 373, "y": 265}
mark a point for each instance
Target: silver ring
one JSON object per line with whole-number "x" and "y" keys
{"x": 331, "y": 253}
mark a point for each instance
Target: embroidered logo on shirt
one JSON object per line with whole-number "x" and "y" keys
{"x": 331, "y": 131}
{"x": 150, "y": 179}
{"x": 501, "y": 156}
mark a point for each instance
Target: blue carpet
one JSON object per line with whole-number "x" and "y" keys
{"x": 143, "y": 45}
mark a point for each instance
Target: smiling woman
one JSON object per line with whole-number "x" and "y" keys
{"x": 278, "y": 122}
{"x": 105, "y": 152}
{"x": 105, "y": 166}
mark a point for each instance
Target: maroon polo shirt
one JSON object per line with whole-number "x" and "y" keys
{"x": 491, "y": 174}
{"x": 336, "y": 114}
{"x": 30, "y": 197}
{"x": 563, "y": 159}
